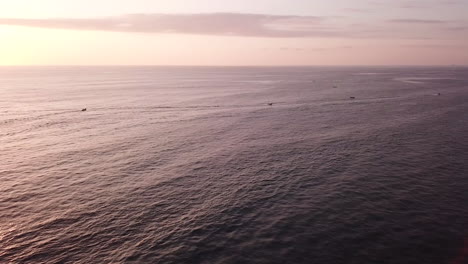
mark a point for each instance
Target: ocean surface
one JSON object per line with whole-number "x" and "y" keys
{"x": 191, "y": 165}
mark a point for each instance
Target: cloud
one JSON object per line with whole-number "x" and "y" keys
{"x": 416, "y": 4}
{"x": 458, "y": 28}
{"x": 254, "y": 25}
{"x": 313, "y": 49}
{"x": 292, "y": 49}
{"x": 228, "y": 24}
{"x": 419, "y": 21}
{"x": 356, "y": 10}
{"x": 435, "y": 46}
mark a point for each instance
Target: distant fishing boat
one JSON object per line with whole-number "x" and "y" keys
{"x": 83, "y": 110}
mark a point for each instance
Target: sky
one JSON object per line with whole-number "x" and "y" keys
{"x": 227, "y": 32}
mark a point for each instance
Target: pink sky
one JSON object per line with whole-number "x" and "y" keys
{"x": 257, "y": 32}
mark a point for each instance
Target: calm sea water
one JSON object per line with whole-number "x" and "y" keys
{"x": 191, "y": 165}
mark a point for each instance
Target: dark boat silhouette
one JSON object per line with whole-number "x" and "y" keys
{"x": 83, "y": 110}
{"x": 270, "y": 104}
{"x": 352, "y": 97}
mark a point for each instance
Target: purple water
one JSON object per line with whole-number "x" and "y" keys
{"x": 191, "y": 165}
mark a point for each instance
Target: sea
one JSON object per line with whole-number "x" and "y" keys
{"x": 320, "y": 165}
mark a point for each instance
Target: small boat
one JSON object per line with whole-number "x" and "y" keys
{"x": 83, "y": 110}
{"x": 270, "y": 104}
{"x": 352, "y": 97}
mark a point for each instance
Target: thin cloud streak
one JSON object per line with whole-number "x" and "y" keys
{"x": 419, "y": 21}
{"x": 416, "y": 4}
{"x": 227, "y": 24}
{"x": 251, "y": 25}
